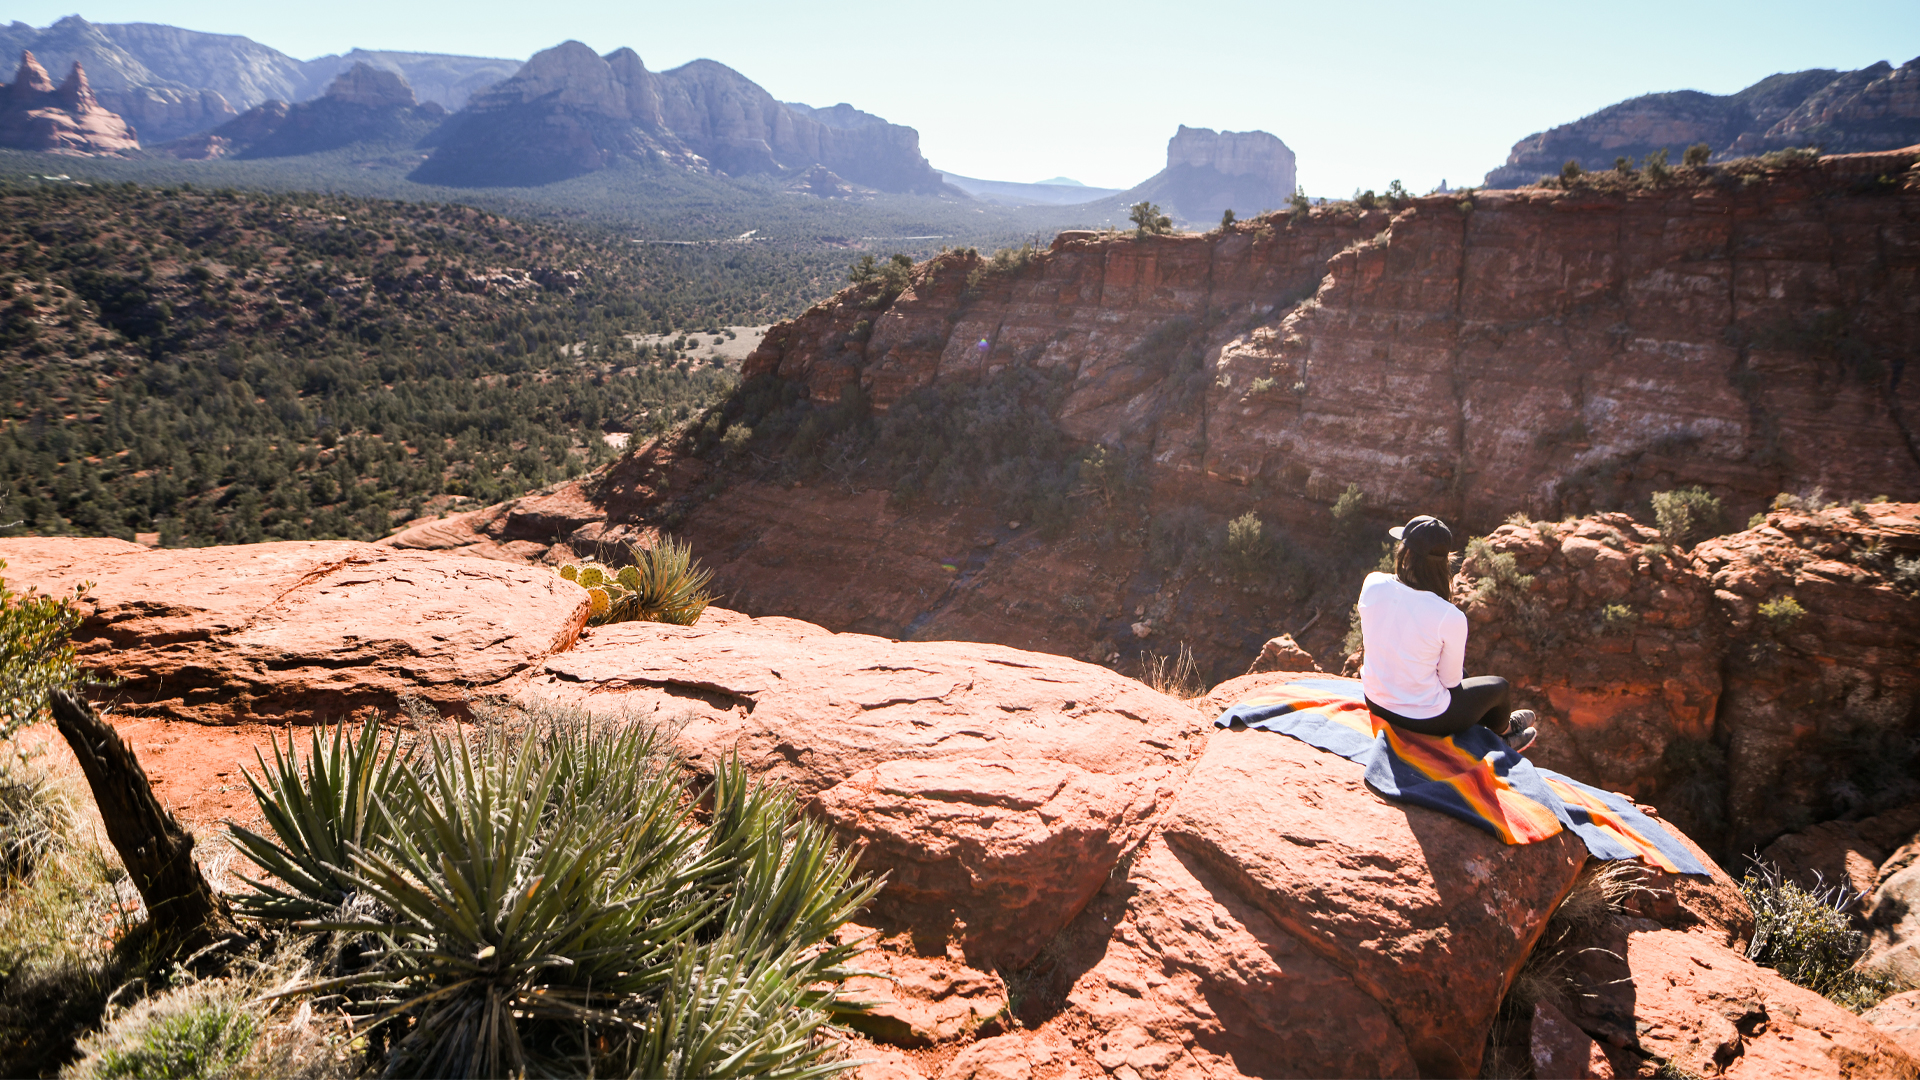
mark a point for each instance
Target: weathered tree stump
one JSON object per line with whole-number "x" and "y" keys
{"x": 182, "y": 908}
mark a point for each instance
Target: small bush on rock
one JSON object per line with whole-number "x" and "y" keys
{"x": 1782, "y": 613}
{"x": 1686, "y": 515}
{"x": 1808, "y": 937}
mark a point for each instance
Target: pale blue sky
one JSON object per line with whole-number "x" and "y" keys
{"x": 1029, "y": 89}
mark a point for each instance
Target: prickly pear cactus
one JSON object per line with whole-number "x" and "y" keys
{"x": 663, "y": 584}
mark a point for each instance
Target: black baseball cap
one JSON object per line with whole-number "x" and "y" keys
{"x": 1424, "y": 535}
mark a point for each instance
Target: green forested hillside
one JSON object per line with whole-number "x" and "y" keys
{"x": 222, "y": 367}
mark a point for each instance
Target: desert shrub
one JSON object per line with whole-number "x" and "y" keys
{"x": 1781, "y": 613}
{"x": 1226, "y": 219}
{"x": 1148, "y": 220}
{"x": 1260, "y": 385}
{"x": 1181, "y": 538}
{"x": 204, "y": 1041}
{"x": 542, "y": 901}
{"x": 1107, "y": 474}
{"x": 1687, "y": 514}
{"x": 1808, "y": 502}
{"x": 1808, "y": 937}
{"x": 1500, "y": 580}
{"x": 1366, "y": 200}
{"x": 36, "y": 652}
{"x": 1655, "y": 165}
{"x": 1349, "y": 513}
{"x": 664, "y": 583}
{"x": 1696, "y": 155}
{"x": 1011, "y": 260}
{"x": 1623, "y": 166}
{"x": 1570, "y": 172}
{"x": 1906, "y": 572}
{"x": 1298, "y": 203}
{"x": 1618, "y": 618}
{"x": 1249, "y": 546}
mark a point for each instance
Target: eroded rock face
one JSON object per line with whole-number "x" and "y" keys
{"x": 300, "y": 630}
{"x": 68, "y": 119}
{"x": 569, "y": 111}
{"x": 1821, "y": 706}
{"x": 997, "y": 788}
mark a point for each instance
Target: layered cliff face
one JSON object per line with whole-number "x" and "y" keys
{"x": 68, "y": 119}
{"x": 569, "y": 111}
{"x": 1876, "y": 108}
{"x": 1473, "y": 357}
{"x": 364, "y": 104}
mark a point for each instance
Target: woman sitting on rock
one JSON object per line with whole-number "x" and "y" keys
{"x": 1416, "y": 641}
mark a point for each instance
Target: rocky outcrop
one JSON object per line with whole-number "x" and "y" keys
{"x": 569, "y": 111}
{"x": 1874, "y": 109}
{"x": 995, "y": 833}
{"x": 300, "y": 630}
{"x": 1083, "y": 874}
{"x": 169, "y": 82}
{"x": 36, "y": 115}
{"x": 364, "y": 104}
{"x": 1209, "y": 172}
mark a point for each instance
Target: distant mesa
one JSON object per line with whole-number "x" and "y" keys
{"x": 1874, "y": 108}
{"x": 36, "y": 115}
{"x": 569, "y": 112}
{"x": 1209, "y": 172}
{"x": 1062, "y": 180}
{"x": 363, "y": 104}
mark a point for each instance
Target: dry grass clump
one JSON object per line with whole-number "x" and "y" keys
{"x": 1176, "y": 676}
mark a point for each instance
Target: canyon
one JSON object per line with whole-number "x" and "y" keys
{"x": 1550, "y": 355}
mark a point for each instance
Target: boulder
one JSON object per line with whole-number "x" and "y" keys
{"x": 1898, "y": 1018}
{"x": 1700, "y": 1009}
{"x": 1855, "y": 854}
{"x": 918, "y": 1001}
{"x": 1283, "y": 654}
{"x": 303, "y": 630}
{"x": 1423, "y": 914}
{"x": 1893, "y": 927}
{"x": 996, "y": 788}
{"x": 1559, "y": 1048}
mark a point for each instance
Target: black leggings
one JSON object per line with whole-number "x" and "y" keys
{"x": 1483, "y": 699}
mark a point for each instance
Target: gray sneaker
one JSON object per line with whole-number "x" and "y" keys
{"x": 1520, "y": 730}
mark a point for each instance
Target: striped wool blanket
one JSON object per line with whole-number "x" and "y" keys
{"x": 1472, "y": 776}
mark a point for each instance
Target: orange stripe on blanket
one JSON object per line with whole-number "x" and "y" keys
{"x": 1518, "y": 819}
{"x": 1608, "y": 820}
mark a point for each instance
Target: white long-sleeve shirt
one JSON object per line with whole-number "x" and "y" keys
{"x": 1416, "y": 643}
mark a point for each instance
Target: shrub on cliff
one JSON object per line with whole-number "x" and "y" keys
{"x": 1148, "y": 220}
{"x": 1808, "y": 937}
{"x": 1687, "y": 515}
{"x": 540, "y": 898}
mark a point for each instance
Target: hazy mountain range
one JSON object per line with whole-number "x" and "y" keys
{"x": 1874, "y": 108}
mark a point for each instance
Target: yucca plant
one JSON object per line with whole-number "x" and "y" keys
{"x": 551, "y": 905}
{"x": 320, "y": 816}
{"x": 664, "y": 583}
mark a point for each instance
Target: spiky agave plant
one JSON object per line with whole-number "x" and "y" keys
{"x": 557, "y": 909}
{"x": 664, "y": 583}
{"x": 319, "y": 817}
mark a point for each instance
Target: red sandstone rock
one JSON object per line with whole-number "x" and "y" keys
{"x": 1849, "y": 853}
{"x": 922, "y": 1000}
{"x": 1425, "y": 914}
{"x": 35, "y": 115}
{"x": 308, "y": 630}
{"x": 997, "y": 788}
{"x": 1560, "y": 1049}
{"x": 1893, "y": 927}
{"x": 1283, "y": 654}
{"x": 1706, "y": 1010}
{"x": 1815, "y": 707}
{"x": 1898, "y": 1018}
